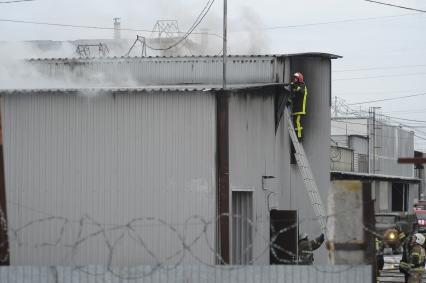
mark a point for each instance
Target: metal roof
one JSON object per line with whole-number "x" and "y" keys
{"x": 341, "y": 175}
{"x": 309, "y": 54}
{"x": 161, "y": 88}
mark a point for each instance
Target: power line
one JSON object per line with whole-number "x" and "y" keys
{"x": 90, "y": 27}
{"x": 409, "y": 111}
{"x": 422, "y": 138}
{"x": 392, "y": 5}
{"x": 376, "y": 92}
{"x": 384, "y": 76}
{"x": 404, "y": 119}
{"x": 333, "y": 22}
{"x": 197, "y": 21}
{"x": 345, "y": 121}
{"x": 379, "y": 68}
{"x": 387, "y": 99}
{"x": 15, "y": 1}
{"x": 405, "y": 125}
{"x": 212, "y": 34}
{"x": 391, "y": 119}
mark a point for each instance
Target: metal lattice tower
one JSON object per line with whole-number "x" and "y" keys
{"x": 165, "y": 29}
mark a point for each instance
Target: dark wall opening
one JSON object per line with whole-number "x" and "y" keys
{"x": 399, "y": 197}
{"x": 284, "y": 236}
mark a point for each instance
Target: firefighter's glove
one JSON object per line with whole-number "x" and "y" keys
{"x": 404, "y": 266}
{"x": 321, "y": 238}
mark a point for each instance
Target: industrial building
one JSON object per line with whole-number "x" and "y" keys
{"x": 368, "y": 148}
{"x": 367, "y": 179}
{"x": 149, "y": 160}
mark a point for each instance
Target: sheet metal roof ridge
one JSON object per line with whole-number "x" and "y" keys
{"x": 350, "y": 118}
{"x": 100, "y": 89}
{"x": 165, "y": 88}
{"x": 339, "y": 175}
{"x": 309, "y": 54}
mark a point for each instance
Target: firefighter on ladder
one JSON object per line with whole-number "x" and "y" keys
{"x": 297, "y": 102}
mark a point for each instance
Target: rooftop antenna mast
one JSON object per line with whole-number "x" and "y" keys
{"x": 142, "y": 40}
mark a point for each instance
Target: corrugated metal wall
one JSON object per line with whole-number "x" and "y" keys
{"x": 392, "y": 143}
{"x": 163, "y": 71}
{"x": 184, "y": 274}
{"x": 359, "y": 144}
{"x": 316, "y": 142}
{"x": 242, "y": 227}
{"x": 251, "y": 156}
{"x": 110, "y": 179}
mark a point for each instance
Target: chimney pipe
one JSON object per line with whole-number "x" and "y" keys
{"x": 117, "y": 29}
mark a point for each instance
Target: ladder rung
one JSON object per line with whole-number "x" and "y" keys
{"x": 307, "y": 176}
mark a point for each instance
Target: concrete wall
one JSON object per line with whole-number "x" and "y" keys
{"x": 346, "y": 222}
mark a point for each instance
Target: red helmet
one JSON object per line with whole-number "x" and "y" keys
{"x": 298, "y": 77}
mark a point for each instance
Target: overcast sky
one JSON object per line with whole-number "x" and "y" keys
{"x": 394, "y": 40}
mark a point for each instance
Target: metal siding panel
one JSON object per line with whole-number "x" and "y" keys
{"x": 163, "y": 71}
{"x": 316, "y": 142}
{"x": 359, "y": 144}
{"x": 393, "y": 142}
{"x": 242, "y": 211}
{"x": 251, "y": 155}
{"x": 114, "y": 159}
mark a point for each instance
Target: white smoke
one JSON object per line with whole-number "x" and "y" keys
{"x": 252, "y": 39}
{"x": 17, "y": 72}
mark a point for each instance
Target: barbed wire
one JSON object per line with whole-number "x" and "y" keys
{"x": 112, "y": 235}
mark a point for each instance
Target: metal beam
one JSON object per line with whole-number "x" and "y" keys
{"x": 222, "y": 100}
{"x": 4, "y": 239}
{"x": 412, "y": 160}
{"x": 369, "y": 222}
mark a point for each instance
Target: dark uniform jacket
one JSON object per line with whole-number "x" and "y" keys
{"x": 306, "y": 248}
{"x": 299, "y": 93}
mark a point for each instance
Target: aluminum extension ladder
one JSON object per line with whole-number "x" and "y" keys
{"x": 308, "y": 178}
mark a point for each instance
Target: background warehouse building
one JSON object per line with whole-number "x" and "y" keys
{"x": 133, "y": 160}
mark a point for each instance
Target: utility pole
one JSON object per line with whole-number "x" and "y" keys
{"x": 225, "y": 23}
{"x": 335, "y": 106}
{"x": 374, "y": 140}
